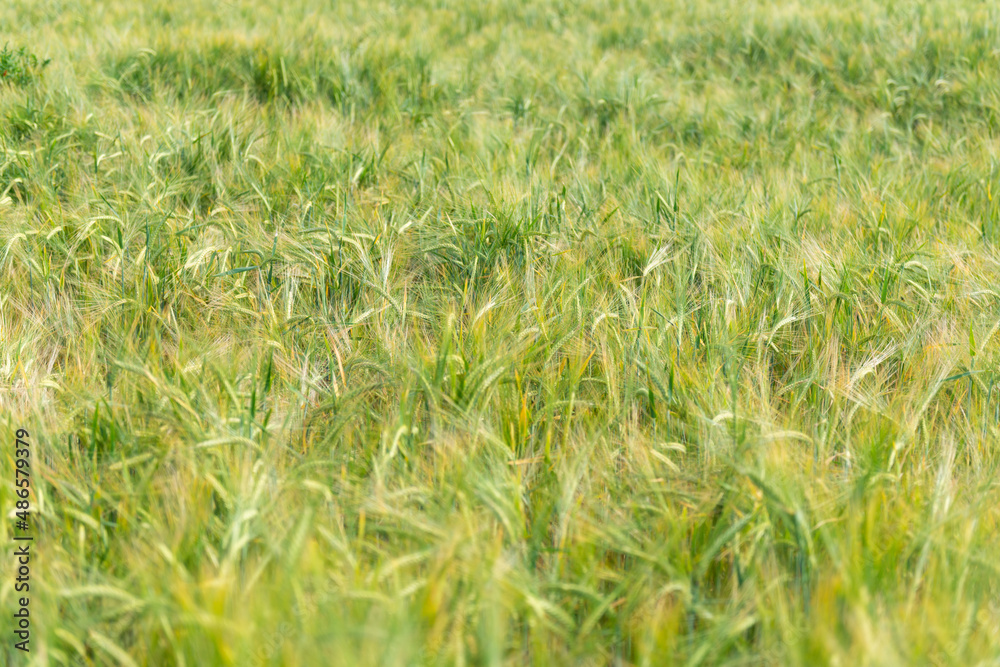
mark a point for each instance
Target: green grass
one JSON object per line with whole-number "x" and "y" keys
{"x": 19, "y": 67}
{"x": 502, "y": 333}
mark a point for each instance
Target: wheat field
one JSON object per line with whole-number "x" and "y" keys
{"x": 502, "y": 333}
